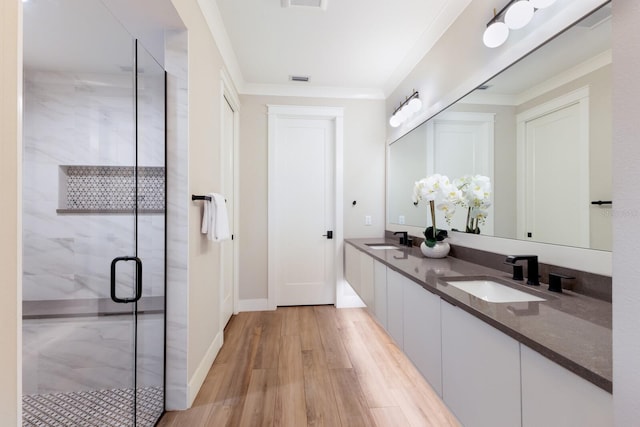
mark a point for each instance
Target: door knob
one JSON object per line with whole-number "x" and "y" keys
{"x": 329, "y": 234}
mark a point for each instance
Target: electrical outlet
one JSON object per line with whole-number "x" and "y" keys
{"x": 401, "y": 219}
{"x": 367, "y": 220}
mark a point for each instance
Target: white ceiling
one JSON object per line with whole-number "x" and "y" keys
{"x": 364, "y": 47}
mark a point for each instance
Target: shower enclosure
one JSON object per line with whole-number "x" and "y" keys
{"x": 93, "y": 220}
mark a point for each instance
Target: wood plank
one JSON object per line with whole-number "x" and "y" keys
{"x": 336, "y": 354}
{"x": 260, "y": 404}
{"x": 372, "y": 381}
{"x": 233, "y": 334}
{"x": 193, "y": 417}
{"x": 352, "y": 406}
{"x": 382, "y": 351}
{"x": 389, "y": 417}
{"x": 290, "y": 409}
{"x": 220, "y": 415}
{"x": 423, "y": 410}
{"x": 380, "y": 386}
{"x": 320, "y": 399}
{"x": 235, "y": 383}
{"x": 269, "y": 346}
{"x": 310, "y": 337}
{"x": 212, "y": 384}
{"x": 290, "y": 321}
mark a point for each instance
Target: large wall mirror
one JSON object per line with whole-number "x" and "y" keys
{"x": 540, "y": 130}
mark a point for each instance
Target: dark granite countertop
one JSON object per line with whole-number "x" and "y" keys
{"x": 571, "y": 329}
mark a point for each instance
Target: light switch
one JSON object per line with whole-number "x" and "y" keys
{"x": 401, "y": 219}
{"x": 367, "y": 220}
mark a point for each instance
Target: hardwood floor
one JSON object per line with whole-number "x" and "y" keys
{"x": 311, "y": 366}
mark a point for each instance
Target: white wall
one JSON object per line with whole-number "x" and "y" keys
{"x": 626, "y": 220}
{"x": 10, "y": 223}
{"x": 364, "y": 154}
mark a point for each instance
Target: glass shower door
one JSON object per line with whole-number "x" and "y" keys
{"x": 93, "y": 220}
{"x": 150, "y": 310}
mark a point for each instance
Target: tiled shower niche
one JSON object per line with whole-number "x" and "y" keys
{"x": 111, "y": 189}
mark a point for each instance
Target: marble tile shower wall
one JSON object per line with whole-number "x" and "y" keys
{"x": 60, "y": 356}
{"x": 82, "y": 119}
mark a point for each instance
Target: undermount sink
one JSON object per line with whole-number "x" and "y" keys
{"x": 381, "y": 246}
{"x": 491, "y": 290}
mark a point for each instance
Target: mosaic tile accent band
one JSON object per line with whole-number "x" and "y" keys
{"x": 111, "y": 188}
{"x": 96, "y": 408}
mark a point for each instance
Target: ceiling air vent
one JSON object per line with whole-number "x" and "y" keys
{"x": 299, "y": 78}
{"x": 318, "y": 4}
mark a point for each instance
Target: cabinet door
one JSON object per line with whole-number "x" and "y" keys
{"x": 422, "y": 340}
{"x": 352, "y": 267}
{"x": 480, "y": 371}
{"x": 395, "y": 306}
{"x": 366, "y": 280}
{"x": 553, "y": 395}
{"x": 380, "y": 292}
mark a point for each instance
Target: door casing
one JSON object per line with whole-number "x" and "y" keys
{"x": 335, "y": 114}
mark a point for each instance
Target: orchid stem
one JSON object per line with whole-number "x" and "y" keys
{"x": 433, "y": 217}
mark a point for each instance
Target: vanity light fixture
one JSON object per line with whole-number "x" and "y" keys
{"x": 515, "y": 15}
{"x": 407, "y": 108}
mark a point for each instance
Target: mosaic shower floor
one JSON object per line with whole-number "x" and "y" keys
{"x": 96, "y": 408}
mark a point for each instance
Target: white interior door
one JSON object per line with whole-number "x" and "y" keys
{"x": 227, "y": 246}
{"x": 556, "y": 179}
{"x": 461, "y": 144}
{"x": 302, "y": 210}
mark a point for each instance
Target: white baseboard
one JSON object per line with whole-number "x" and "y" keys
{"x": 199, "y": 376}
{"x": 261, "y": 304}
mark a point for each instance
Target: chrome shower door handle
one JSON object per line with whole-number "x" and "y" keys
{"x": 138, "y": 279}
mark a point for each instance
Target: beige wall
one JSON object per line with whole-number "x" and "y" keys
{"x": 204, "y": 65}
{"x": 10, "y": 225}
{"x": 364, "y": 180}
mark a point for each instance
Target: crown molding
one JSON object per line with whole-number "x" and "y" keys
{"x": 213, "y": 18}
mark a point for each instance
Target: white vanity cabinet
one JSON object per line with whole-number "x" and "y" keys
{"x": 480, "y": 371}
{"x": 483, "y": 375}
{"x": 358, "y": 271}
{"x": 366, "y": 280}
{"x": 422, "y": 339}
{"x": 555, "y": 396}
{"x": 380, "y": 293}
{"x": 352, "y": 267}
{"x": 395, "y": 306}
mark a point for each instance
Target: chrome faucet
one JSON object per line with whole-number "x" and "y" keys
{"x": 532, "y": 267}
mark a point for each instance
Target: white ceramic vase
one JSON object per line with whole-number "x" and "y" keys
{"x": 440, "y": 250}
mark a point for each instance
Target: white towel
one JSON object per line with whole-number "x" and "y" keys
{"x": 220, "y": 219}
{"x": 215, "y": 220}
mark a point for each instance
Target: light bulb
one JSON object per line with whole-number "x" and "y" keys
{"x": 519, "y": 14}
{"x": 407, "y": 111}
{"x": 541, "y": 4}
{"x": 495, "y": 34}
{"x": 415, "y": 105}
{"x": 394, "y": 122}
